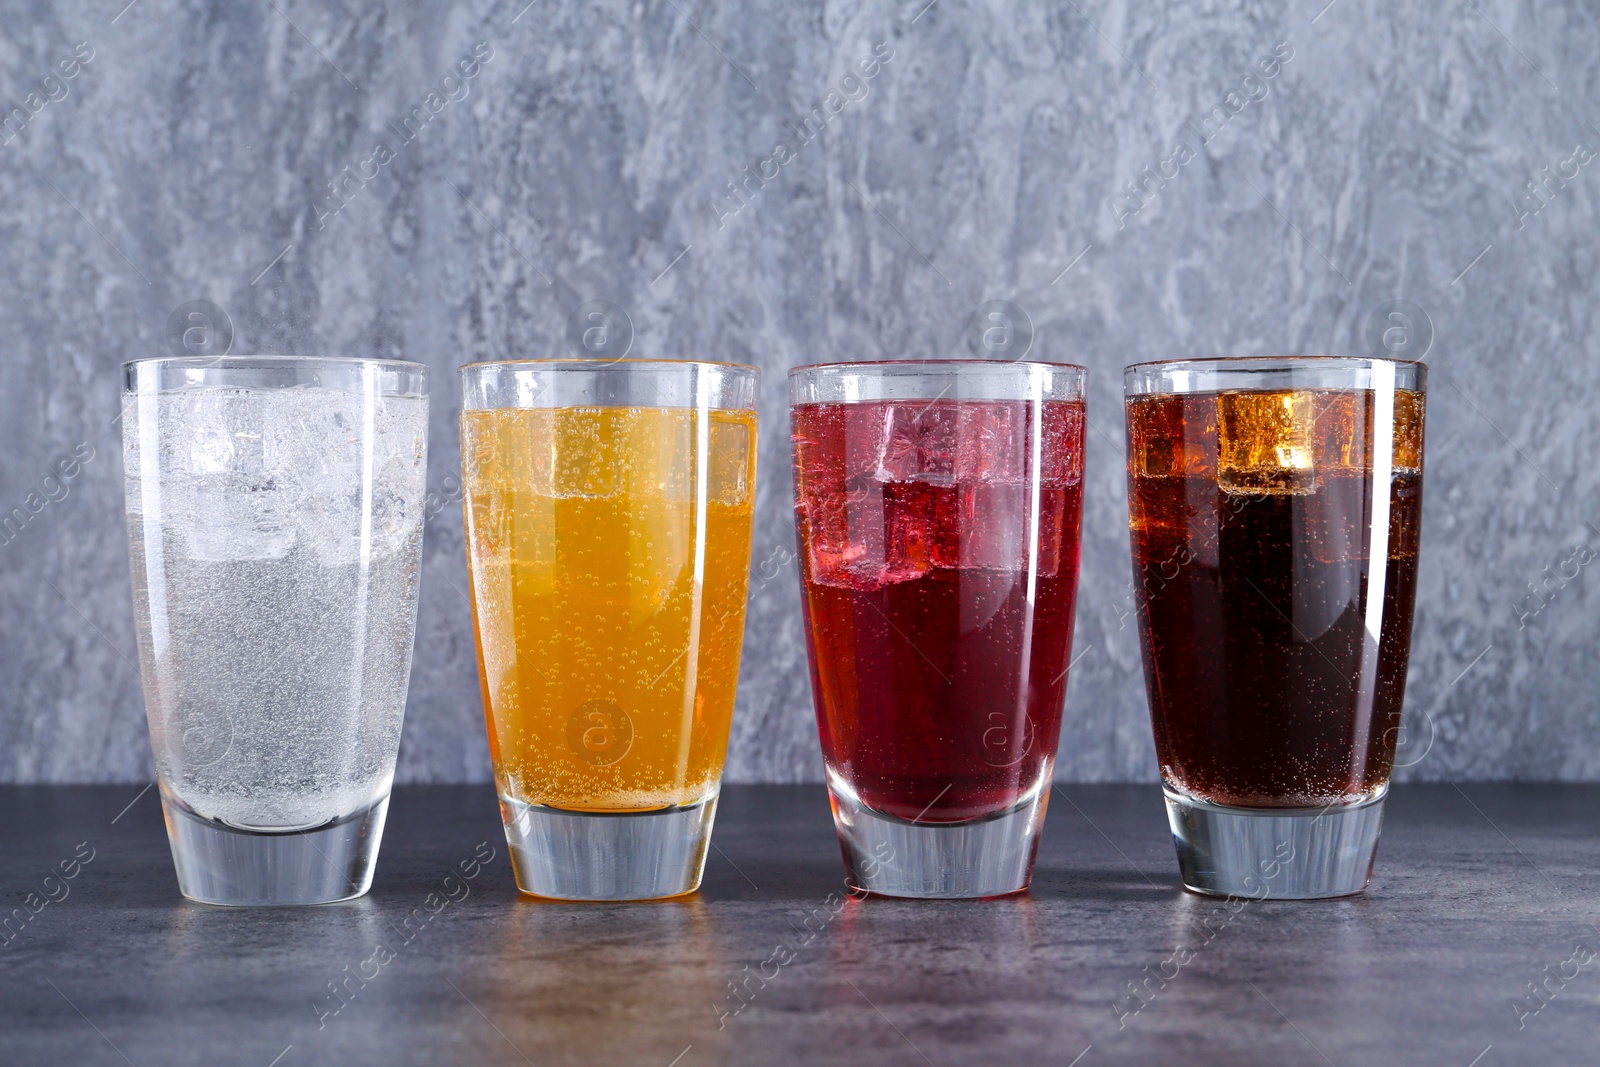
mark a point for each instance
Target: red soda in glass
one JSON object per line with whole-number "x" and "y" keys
{"x": 938, "y": 526}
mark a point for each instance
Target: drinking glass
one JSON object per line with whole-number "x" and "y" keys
{"x": 1275, "y": 507}
{"x": 608, "y": 511}
{"x": 937, "y": 507}
{"x": 275, "y": 529}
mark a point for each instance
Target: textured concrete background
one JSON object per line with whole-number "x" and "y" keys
{"x": 1388, "y": 158}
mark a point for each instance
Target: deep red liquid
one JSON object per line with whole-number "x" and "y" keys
{"x": 1266, "y": 689}
{"x": 938, "y": 688}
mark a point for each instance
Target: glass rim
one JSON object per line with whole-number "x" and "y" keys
{"x": 207, "y": 362}
{"x": 865, "y": 364}
{"x": 578, "y": 363}
{"x": 1231, "y": 374}
{"x": 1267, "y": 362}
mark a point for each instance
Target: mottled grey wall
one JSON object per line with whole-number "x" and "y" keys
{"x": 1388, "y": 159}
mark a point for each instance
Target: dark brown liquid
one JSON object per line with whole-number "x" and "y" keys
{"x": 1252, "y": 517}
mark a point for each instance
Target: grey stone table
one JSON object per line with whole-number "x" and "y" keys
{"x": 1480, "y": 891}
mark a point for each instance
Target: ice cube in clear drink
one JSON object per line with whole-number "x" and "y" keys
{"x": 221, "y": 497}
{"x": 324, "y": 458}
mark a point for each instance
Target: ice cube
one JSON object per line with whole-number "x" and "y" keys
{"x": 845, "y": 534}
{"x": 320, "y": 440}
{"x": 580, "y": 459}
{"x": 1052, "y": 524}
{"x": 480, "y": 448}
{"x": 913, "y": 517}
{"x": 1266, "y": 442}
{"x": 841, "y": 492}
{"x": 1338, "y": 437}
{"x": 945, "y": 441}
{"x": 655, "y": 448}
{"x": 993, "y": 523}
{"x": 992, "y": 442}
{"x": 917, "y": 441}
{"x": 214, "y": 450}
{"x": 1404, "y": 486}
{"x": 1408, "y": 418}
{"x": 572, "y": 453}
{"x": 399, "y": 486}
{"x": 728, "y": 466}
{"x": 823, "y": 532}
{"x": 220, "y": 495}
{"x": 402, "y": 426}
{"x": 986, "y": 525}
{"x": 1061, "y": 459}
{"x": 1162, "y": 443}
{"x": 897, "y": 443}
{"x": 1345, "y": 423}
{"x": 490, "y": 525}
{"x": 212, "y": 431}
{"x": 397, "y": 506}
{"x": 227, "y": 516}
{"x": 566, "y": 453}
{"x": 863, "y": 563}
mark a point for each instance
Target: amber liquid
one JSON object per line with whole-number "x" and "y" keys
{"x": 1273, "y": 681}
{"x": 609, "y": 552}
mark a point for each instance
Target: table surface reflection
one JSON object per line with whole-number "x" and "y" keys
{"x": 1480, "y": 891}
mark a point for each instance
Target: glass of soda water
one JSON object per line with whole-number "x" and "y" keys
{"x": 275, "y": 513}
{"x": 937, "y": 508}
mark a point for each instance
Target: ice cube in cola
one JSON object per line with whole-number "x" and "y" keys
{"x": 1264, "y": 442}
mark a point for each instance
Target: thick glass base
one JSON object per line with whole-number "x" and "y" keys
{"x": 595, "y": 855}
{"x": 986, "y": 857}
{"x": 1275, "y": 854}
{"x": 220, "y": 864}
